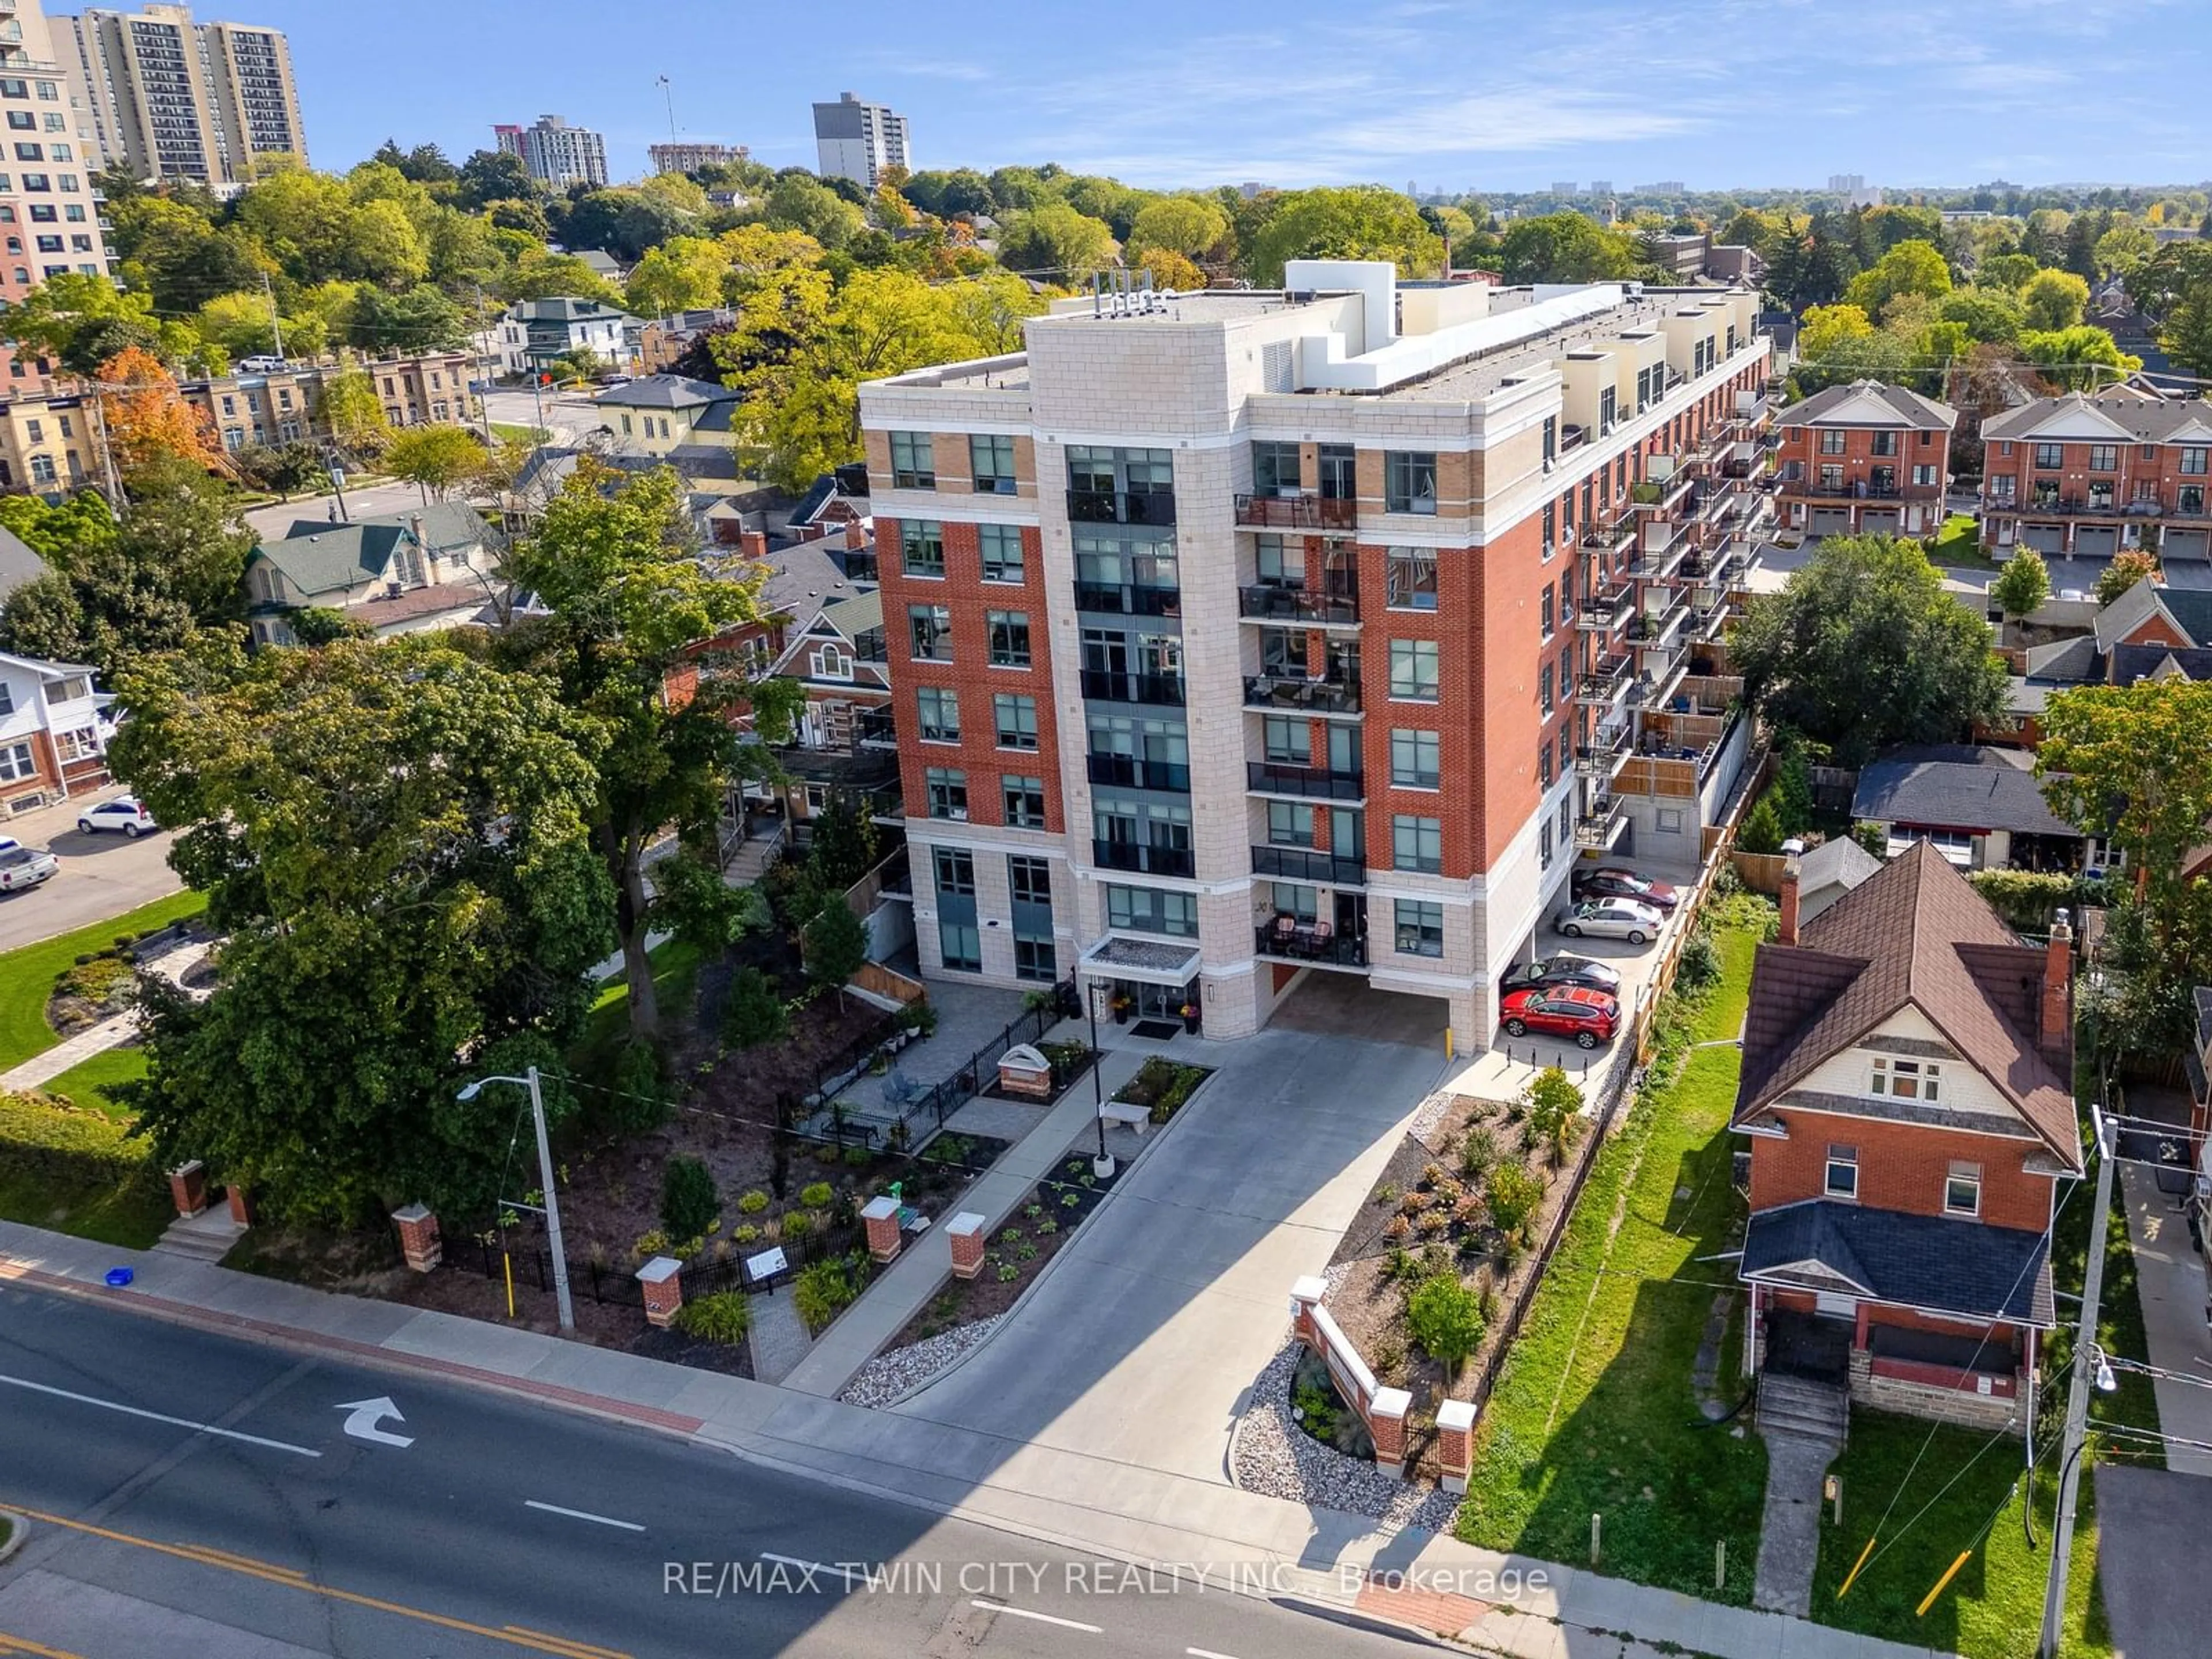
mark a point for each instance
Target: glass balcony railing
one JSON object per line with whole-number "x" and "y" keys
{"x": 1307, "y": 783}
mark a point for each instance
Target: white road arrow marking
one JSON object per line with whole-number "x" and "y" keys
{"x": 365, "y": 1414}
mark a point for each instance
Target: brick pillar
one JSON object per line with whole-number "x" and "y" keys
{"x": 1455, "y": 1442}
{"x": 2057, "y": 981}
{"x": 418, "y": 1238}
{"x": 240, "y": 1202}
{"x": 188, "y": 1188}
{"x": 1787, "y": 933}
{"x": 964, "y": 1232}
{"x": 881, "y": 1217}
{"x": 1306, "y": 1296}
{"x": 662, "y": 1280}
{"x": 1386, "y": 1422}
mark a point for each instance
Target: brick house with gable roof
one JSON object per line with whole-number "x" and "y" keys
{"x": 1905, "y": 1094}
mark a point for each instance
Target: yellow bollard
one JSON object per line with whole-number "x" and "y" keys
{"x": 1853, "y": 1574}
{"x": 1928, "y": 1600}
{"x": 507, "y": 1266}
{"x": 1448, "y": 1043}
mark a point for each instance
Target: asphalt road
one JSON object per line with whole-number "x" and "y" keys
{"x": 567, "y": 416}
{"x": 190, "y": 1491}
{"x": 100, "y": 875}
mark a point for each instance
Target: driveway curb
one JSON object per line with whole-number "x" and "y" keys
{"x": 18, "y": 1533}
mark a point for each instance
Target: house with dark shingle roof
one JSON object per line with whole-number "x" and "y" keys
{"x": 1983, "y": 807}
{"x": 1906, "y": 1096}
{"x": 397, "y": 572}
{"x": 659, "y": 415}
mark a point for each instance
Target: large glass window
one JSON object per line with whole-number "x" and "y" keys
{"x": 1413, "y": 578}
{"x": 991, "y": 459}
{"x": 1409, "y": 481}
{"x": 1017, "y": 719}
{"x": 947, "y": 787}
{"x": 1009, "y": 632}
{"x": 1339, "y": 473}
{"x": 1147, "y": 910}
{"x": 1274, "y": 469}
{"x": 1417, "y": 843}
{"x": 1288, "y": 742}
{"x": 1001, "y": 545}
{"x": 921, "y": 548}
{"x": 1024, "y": 800}
{"x": 1029, "y": 879}
{"x": 1290, "y": 824}
{"x": 961, "y": 943}
{"x": 929, "y": 632}
{"x": 955, "y": 871}
{"x": 940, "y": 714}
{"x": 914, "y": 463}
{"x": 1414, "y": 669}
{"x": 1415, "y": 762}
{"x": 1841, "y": 1176}
{"x": 1418, "y": 926}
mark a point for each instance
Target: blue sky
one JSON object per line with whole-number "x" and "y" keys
{"x": 1496, "y": 94}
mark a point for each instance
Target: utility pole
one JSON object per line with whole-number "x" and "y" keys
{"x": 567, "y": 1309}
{"x": 275, "y": 326}
{"x": 484, "y": 410}
{"x": 2077, "y": 1396}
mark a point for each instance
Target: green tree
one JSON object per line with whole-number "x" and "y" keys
{"x": 1359, "y": 221}
{"x": 1761, "y": 830}
{"x": 799, "y": 203}
{"x": 2052, "y": 300}
{"x": 2013, "y": 271}
{"x": 1863, "y": 648}
{"x": 435, "y": 459}
{"x": 1553, "y": 1106}
{"x": 419, "y": 319}
{"x": 283, "y": 469}
{"x": 353, "y": 411}
{"x": 2187, "y": 335}
{"x": 754, "y": 1014}
{"x": 1910, "y": 267}
{"x": 1567, "y": 248}
{"x": 2132, "y": 565}
{"x": 836, "y": 943}
{"x": 626, "y": 600}
{"x": 2078, "y": 358}
{"x": 492, "y": 175}
{"x": 2023, "y": 587}
{"x": 392, "y": 837}
{"x": 689, "y": 1200}
{"x": 1513, "y": 1194}
{"x": 1445, "y": 1318}
{"x": 683, "y": 274}
{"x": 1188, "y": 225}
{"x": 1828, "y": 331}
{"x": 2134, "y": 762}
{"x": 1988, "y": 314}
{"x": 1055, "y": 242}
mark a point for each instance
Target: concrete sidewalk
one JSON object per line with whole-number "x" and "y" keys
{"x": 1067, "y": 1497}
{"x": 2171, "y": 1284}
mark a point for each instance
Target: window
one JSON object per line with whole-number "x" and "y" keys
{"x": 21, "y": 120}
{"x": 1289, "y": 898}
{"x": 1001, "y": 545}
{"x": 921, "y": 548}
{"x": 1550, "y": 528}
{"x": 2103, "y": 457}
{"x": 1024, "y": 802}
{"x": 1419, "y": 927}
{"x": 1037, "y": 959}
{"x": 1544, "y": 765}
{"x": 1417, "y": 844}
{"x": 1544, "y": 693}
{"x": 1546, "y": 616}
{"x": 1907, "y": 1079}
{"x": 1339, "y": 466}
{"x": 1029, "y": 879}
{"x": 1842, "y": 1178}
{"x": 1413, "y": 578}
{"x": 1275, "y": 469}
{"x": 1670, "y": 820}
{"x": 1414, "y": 762}
{"x": 956, "y": 872}
{"x": 1010, "y": 638}
{"x": 1962, "y": 1189}
{"x": 940, "y": 714}
{"x": 15, "y": 762}
{"x": 1290, "y": 825}
{"x": 1288, "y": 742}
{"x": 1409, "y": 482}
{"x": 1414, "y": 669}
{"x": 1885, "y": 443}
{"x": 1147, "y": 910}
{"x": 831, "y": 662}
{"x": 991, "y": 459}
{"x": 1551, "y": 439}
{"x": 2192, "y": 458}
{"x": 1544, "y": 847}
{"x": 1831, "y": 442}
{"x": 947, "y": 787}
{"x": 960, "y": 944}
{"x": 914, "y": 464}
{"x": 29, "y": 153}
{"x": 1923, "y": 475}
{"x": 1831, "y": 478}
{"x": 929, "y": 629}
{"x": 2050, "y": 455}
{"x": 42, "y": 469}
{"x": 2001, "y": 486}
{"x": 1017, "y": 720}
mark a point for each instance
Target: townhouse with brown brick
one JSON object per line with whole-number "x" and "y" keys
{"x": 1865, "y": 459}
{"x": 1240, "y": 636}
{"x": 2085, "y": 477}
{"x": 1907, "y": 1101}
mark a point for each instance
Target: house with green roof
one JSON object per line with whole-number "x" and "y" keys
{"x": 398, "y": 573}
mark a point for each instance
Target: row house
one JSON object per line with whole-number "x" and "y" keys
{"x": 846, "y": 741}
{"x": 1865, "y": 458}
{"x": 1236, "y": 637}
{"x": 2084, "y": 476}
{"x": 53, "y": 732}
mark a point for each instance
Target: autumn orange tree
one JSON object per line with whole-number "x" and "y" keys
{"x": 148, "y": 418}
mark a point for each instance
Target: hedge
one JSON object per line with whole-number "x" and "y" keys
{"x": 2030, "y": 900}
{"x": 66, "y": 1145}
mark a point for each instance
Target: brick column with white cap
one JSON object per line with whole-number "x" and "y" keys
{"x": 964, "y": 1232}
{"x": 881, "y": 1215}
{"x": 1306, "y": 1296}
{"x": 419, "y": 1241}
{"x": 1386, "y": 1424}
{"x": 1455, "y": 1442}
{"x": 662, "y": 1280}
{"x": 188, "y": 1188}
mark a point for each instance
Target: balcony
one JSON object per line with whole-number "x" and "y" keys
{"x": 1660, "y": 676}
{"x": 1274, "y": 694}
{"x": 1607, "y": 680}
{"x": 1601, "y": 539}
{"x": 1860, "y": 491}
{"x": 873, "y": 729}
{"x": 1601, "y": 825}
{"x": 1143, "y": 857}
{"x": 1121, "y": 506}
{"x": 1299, "y": 605}
{"x": 1708, "y": 622}
{"x": 1309, "y": 942}
{"x": 1606, "y": 609}
{"x": 1110, "y": 685}
{"x": 1657, "y": 628}
{"x": 1306, "y": 782}
{"x": 1129, "y": 600}
{"x": 1602, "y": 758}
{"x": 1297, "y": 511}
{"x": 1660, "y": 496}
{"x": 1129, "y": 772}
{"x": 1306, "y": 864}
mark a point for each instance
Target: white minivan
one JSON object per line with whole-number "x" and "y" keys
{"x": 263, "y": 364}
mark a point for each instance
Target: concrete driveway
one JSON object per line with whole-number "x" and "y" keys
{"x": 2151, "y": 1529}
{"x": 1141, "y": 1342}
{"x": 100, "y": 875}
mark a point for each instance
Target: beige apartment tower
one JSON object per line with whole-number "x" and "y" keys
{"x": 180, "y": 99}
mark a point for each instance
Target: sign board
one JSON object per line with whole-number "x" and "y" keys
{"x": 766, "y": 1265}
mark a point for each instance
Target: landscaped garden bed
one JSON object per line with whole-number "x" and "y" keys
{"x": 1162, "y": 1086}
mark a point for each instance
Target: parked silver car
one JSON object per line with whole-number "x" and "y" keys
{"x": 26, "y": 867}
{"x": 1613, "y": 918}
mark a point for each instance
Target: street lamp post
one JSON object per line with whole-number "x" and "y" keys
{"x": 1103, "y": 1166}
{"x": 552, "y": 1209}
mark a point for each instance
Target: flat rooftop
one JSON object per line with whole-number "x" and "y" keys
{"x": 1471, "y": 378}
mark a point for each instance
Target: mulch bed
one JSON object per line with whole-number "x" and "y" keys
{"x": 965, "y": 1301}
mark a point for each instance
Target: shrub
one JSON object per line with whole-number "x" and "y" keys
{"x": 1445, "y": 1318}
{"x": 1762, "y": 828}
{"x": 857, "y": 1157}
{"x": 1316, "y": 1409}
{"x": 1398, "y": 1227}
{"x": 754, "y": 1014}
{"x": 826, "y": 1288}
{"x": 1398, "y": 1265}
{"x": 1046, "y": 1227}
{"x": 1700, "y": 962}
{"x": 1432, "y": 1172}
{"x": 639, "y": 1100}
{"x": 1513, "y": 1195}
{"x": 745, "y": 1233}
{"x": 1553, "y": 1105}
{"x": 688, "y": 1199}
{"x": 1386, "y": 1194}
{"x": 1872, "y": 837}
{"x": 652, "y": 1243}
{"x": 1432, "y": 1222}
{"x": 1478, "y": 1153}
{"x": 816, "y": 1195}
{"x": 725, "y": 1317}
{"x": 753, "y": 1202}
{"x": 1008, "y": 1273}
{"x": 919, "y": 1017}
{"x": 1010, "y": 1235}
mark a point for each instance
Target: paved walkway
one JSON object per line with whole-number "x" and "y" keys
{"x": 779, "y": 1340}
{"x": 70, "y": 1051}
{"x": 1789, "y": 1530}
{"x": 1074, "y": 1497}
{"x": 2171, "y": 1282}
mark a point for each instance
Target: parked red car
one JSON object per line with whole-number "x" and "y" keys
{"x": 1610, "y": 881}
{"x": 1569, "y": 1010}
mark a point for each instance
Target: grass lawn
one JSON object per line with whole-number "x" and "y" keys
{"x": 1594, "y": 1410}
{"x": 28, "y": 974}
{"x": 1959, "y": 544}
{"x": 675, "y": 977}
{"x": 514, "y": 433}
{"x": 74, "y": 1172}
{"x": 87, "y": 1083}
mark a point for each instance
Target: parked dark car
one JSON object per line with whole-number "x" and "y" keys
{"x": 1610, "y": 881}
{"x": 1589, "y": 1017}
{"x": 1563, "y": 970}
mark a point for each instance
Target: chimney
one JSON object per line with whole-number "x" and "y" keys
{"x": 1790, "y": 849}
{"x": 2057, "y": 1022}
{"x": 754, "y": 542}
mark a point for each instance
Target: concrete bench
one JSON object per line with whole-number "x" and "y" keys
{"x": 1139, "y": 1118}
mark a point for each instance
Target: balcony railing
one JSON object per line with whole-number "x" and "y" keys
{"x": 1121, "y": 506}
{"x": 1305, "y": 942}
{"x": 1110, "y": 685}
{"x": 1605, "y": 610}
{"x": 1861, "y": 491}
{"x": 1274, "y": 692}
{"x": 1306, "y": 864}
{"x": 1127, "y": 772}
{"x": 1297, "y": 511}
{"x": 1608, "y": 679}
{"x": 1600, "y": 538}
{"x": 1144, "y": 857}
{"x": 1601, "y": 824}
{"x": 873, "y": 728}
{"x": 1604, "y": 756}
{"x": 1296, "y": 605}
{"x": 1308, "y": 782}
{"x": 1130, "y": 599}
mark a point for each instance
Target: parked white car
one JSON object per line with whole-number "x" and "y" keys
{"x": 22, "y": 868}
{"x": 123, "y": 813}
{"x": 1613, "y": 918}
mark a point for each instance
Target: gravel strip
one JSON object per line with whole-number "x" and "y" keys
{"x": 888, "y": 1376}
{"x": 1429, "y": 1113}
{"x": 1276, "y": 1457}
